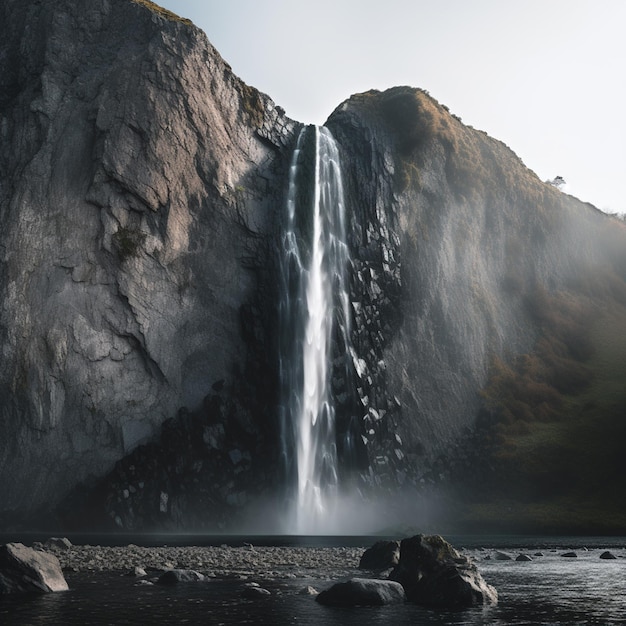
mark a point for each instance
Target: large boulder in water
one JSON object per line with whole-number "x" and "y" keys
{"x": 434, "y": 574}
{"x": 362, "y": 592}
{"x": 382, "y": 555}
{"x": 24, "y": 570}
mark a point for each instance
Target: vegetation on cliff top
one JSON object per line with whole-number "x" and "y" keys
{"x": 477, "y": 166}
{"x": 155, "y": 8}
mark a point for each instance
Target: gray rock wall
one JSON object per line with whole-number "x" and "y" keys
{"x": 451, "y": 234}
{"x": 136, "y": 173}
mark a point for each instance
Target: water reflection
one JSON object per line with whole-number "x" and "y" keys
{"x": 547, "y": 590}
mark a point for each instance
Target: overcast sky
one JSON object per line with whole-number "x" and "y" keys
{"x": 546, "y": 77}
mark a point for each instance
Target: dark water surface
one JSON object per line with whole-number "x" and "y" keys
{"x": 551, "y": 589}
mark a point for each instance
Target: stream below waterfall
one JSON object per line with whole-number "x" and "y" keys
{"x": 548, "y": 590}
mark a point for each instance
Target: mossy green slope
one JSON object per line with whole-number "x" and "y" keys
{"x": 565, "y": 473}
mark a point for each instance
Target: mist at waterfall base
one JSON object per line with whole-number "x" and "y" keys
{"x": 348, "y": 514}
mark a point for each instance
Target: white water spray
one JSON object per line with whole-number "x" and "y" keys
{"x": 314, "y": 313}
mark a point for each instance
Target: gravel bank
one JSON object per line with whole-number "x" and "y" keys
{"x": 265, "y": 563}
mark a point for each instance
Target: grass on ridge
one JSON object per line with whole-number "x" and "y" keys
{"x": 155, "y": 8}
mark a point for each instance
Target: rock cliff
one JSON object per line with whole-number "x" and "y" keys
{"x": 464, "y": 261}
{"x": 136, "y": 172}
{"x": 142, "y": 187}
{"x": 450, "y": 233}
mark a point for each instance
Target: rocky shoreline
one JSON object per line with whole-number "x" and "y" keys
{"x": 425, "y": 570}
{"x": 225, "y": 562}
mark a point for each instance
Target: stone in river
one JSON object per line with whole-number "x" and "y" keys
{"x": 382, "y": 555}
{"x": 175, "y": 576}
{"x": 362, "y": 592}
{"x": 24, "y": 570}
{"x": 433, "y": 573}
{"x": 251, "y": 592}
{"x": 59, "y": 543}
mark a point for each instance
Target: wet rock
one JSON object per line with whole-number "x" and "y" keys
{"x": 254, "y": 591}
{"x": 175, "y": 576}
{"x": 382, "y": 555}
{"x": 607, "y": 555}
{"x": 24, "y": 570}
{"x": 363, "y": 592}
{"x": 58, "y": 543}
{"x": 433, "y": 573}
{"x": 137, "y": 572}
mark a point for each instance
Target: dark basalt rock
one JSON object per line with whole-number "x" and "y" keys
{"x": 58, "y": 543}
{"x": 607, "y": 555}
{"x": 362, "y": 592}
{"x": 175, "y": 576}
{"x": 382, "y": 555}
{"x": 24, "y": 570}
{"x": 569, "y": 555}
{"x": 523, "y": 557}
{"x": 434, "y": 574}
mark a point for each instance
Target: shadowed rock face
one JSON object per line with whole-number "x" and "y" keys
{"x": 138, "y": 178}
{"x": 142, "y": 187}
{"x": 452, "y": 238}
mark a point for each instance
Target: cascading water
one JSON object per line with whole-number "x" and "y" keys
{"x": 314, "y": 327}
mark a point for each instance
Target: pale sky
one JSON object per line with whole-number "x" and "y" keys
{"x": 546, "y": 77}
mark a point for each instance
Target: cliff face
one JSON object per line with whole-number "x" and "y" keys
{"x": 135, "y": 170}
{"x": 142, "y": 187}
{"x": 464, "y": 261}
{"x": 456, "y": 231}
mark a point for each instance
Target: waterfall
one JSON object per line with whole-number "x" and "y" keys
{"x": 314, "y": 327}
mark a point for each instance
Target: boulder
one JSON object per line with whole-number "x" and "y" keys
{"x": 569, "y": 555}
{"x": 62, "y": 544}
{"x": 251, "y": 592}
{"x": 434, "y": 574}
{"x": 607, "y": 555}
{"x": 137, "y": 572}
{"x": 382, "y": 555}
{"x": 523, "y": 557}
{"x": 362, "y": 592}
{"x": 502, "y": 556}
{"x": 175, "y": 576}
{"x": 24, "y": 570}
